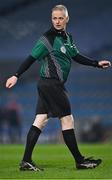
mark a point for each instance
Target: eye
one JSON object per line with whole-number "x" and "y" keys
{"x": 61, "y": 18}
{"x": 54, "y": 18}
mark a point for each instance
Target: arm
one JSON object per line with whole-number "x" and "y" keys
{"x": 38, "y": 52}
{"x": 23, "y": 67}
{"x": 89, "y": 62}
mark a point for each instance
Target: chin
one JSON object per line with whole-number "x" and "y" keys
{"x": 58, "y": 28}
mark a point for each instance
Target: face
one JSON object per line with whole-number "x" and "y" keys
{"x": 59, "y": 19}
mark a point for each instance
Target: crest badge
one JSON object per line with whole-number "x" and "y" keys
{"x": 63, "y": 49}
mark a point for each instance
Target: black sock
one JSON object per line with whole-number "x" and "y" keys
{"x": 32, "y": 138}
{"x": 70, "y": 140}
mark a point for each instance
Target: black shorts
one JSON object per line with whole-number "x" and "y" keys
{"x": 52, "y": 99}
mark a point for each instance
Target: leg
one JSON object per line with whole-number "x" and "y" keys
{"x": 32, "y": 137}
{"x": 40, "y": 121}
{"x": 70, "y": 140}
{"x": 67, "y": 123}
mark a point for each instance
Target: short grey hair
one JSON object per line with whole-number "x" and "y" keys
{"x": 61, "y": 8}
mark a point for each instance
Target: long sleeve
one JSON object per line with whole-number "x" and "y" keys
{"x": 25, "y": 65}
{"x": 85, "y": 60}
{"x": 39, "y": 51}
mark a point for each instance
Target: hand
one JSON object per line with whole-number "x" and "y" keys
{"x": 11, "y": 81}
{"x": 104, "y": 64}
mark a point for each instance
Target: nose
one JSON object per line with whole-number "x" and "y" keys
{"x": 57, "y": 21}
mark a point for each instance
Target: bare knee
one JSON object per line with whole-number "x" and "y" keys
{"x": 67, "y": 122}
{"x": 40, "y": 120}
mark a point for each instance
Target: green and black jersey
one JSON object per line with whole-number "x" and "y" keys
{"x": 55, "y": 49}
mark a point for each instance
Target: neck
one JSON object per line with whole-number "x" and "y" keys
{"x": 58, "y": 30}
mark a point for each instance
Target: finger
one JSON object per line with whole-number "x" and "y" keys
{"x": 105, "y": 66}
{"x": 105, "y": 63}
{"x": 109, "y": 63}
{"x": 8, "y": 85}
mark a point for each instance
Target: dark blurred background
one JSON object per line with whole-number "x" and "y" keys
{"x": 90, "y": 89}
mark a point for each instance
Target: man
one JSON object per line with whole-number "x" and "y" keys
{"x": 56, "y": 50}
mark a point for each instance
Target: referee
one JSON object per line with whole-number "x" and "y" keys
{"x": 56, "y": 51}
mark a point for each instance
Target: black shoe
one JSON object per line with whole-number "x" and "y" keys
{"x": 29, "y": 166}
{"x": 88, "y": 163}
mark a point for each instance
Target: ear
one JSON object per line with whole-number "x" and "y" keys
{"x": 67, "y": 19}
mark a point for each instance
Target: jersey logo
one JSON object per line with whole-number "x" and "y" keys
{"x": 63, "y": 49}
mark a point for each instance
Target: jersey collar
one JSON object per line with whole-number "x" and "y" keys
{"x": 61, "y": 32}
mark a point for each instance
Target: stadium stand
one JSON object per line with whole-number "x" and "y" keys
{"x": 90, "y": 91}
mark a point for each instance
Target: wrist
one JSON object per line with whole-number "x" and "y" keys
{"x": 16, "y": 75}
{"x": 97, "y": 64}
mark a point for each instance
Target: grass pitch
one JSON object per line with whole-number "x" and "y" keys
{"x": 57, "y": 162}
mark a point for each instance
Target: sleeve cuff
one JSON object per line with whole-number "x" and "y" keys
{"x": 17, "y": 75}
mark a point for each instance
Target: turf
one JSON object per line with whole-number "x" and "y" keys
{"x": 57, "y": 161}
